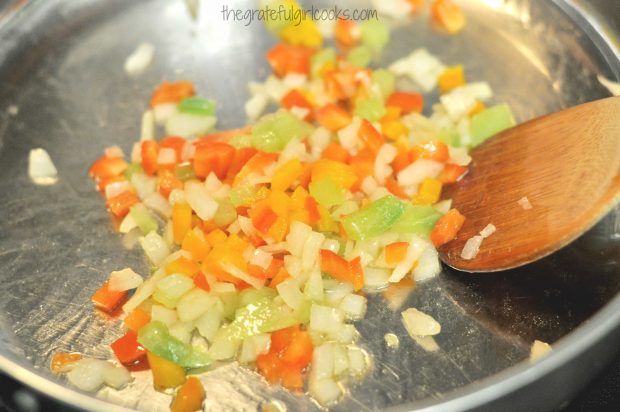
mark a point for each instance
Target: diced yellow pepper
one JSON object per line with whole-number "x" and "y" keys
{"x": 236, "y": 244}
{"x": 341, "y": 173}
{"x": 279, "y": 202}
{"x": 278, "y": 230}
{"x": 262, "y": 193}
{"x": 391, "y": 113}
{"x": 298, "y": 198}
{"x": 451, "y": 78}
{"x": 394, "y": 129}
{"x": 304, "y": 33}
{"x": 479, "y": 107}
{"x": 166, "y": 374}
{"x": 196, "y": 244}
{"x": 300, "y": 216}
{"x": 181, "y": 221}
{"x": 286, "y": 175}
{"x": 183, "y": 266}
{"x": 326, "y": 223}
{"x": 215, "y": 237}
{"x": 428, "y": 192}
{"x": 189, "y": 397}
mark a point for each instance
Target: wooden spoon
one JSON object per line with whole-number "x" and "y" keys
{"x": 567, "y": 165}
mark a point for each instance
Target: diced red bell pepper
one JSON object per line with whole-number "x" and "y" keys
{"x": 406, "y": 102}
{"x": 286, "y": 59}
{"x": 336, "y": 152}
{"x": 107, "y": 300}
{"x": 242, "y": 156}
{"x": 107, "y": 167}
{"x": 149, "y": 151}
{"x": 452, "y": 173}
{"x": 172, "y": 92}
{"x": 338, "y": 268}
{"x": 313, "y": 210}
{"x": 256, "y": 164}
{"x": 333, "y": 117}
{"x": 264, "y": 219}
{"x": 395, "y": 252}
{"x": 168, "y": 182}
{"x": 120, "y": 204}
{"x": 392, "y": 185}
{"x": 447, "y": 227}
{"x": 213, "y": 157}
{"x": 200, "y": 281}
{"x": 127, "y": 349}
{"x": 346, "y": 32}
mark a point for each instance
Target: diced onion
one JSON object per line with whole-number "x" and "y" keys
{"x": 240, "y": 274}
{"x": 261, "y": 258}
{"x": 155, "y": 247}
{"x": 348, "y": 135}
{"x": 157, "y": 203}
{"x": 200, "y": 200}
{"x": 310, "y": 255}
{"x": 290, "y": 293}
{"x": 326, "y": 391}
{"x": 189, "y": 125}
{"x": 459, "y": 156}
{"x": 421, "y": 67}
{"x": 114, "y": 151}
{"x": 144, "y": 185}
{"x": 353, "y": 306}
{"x": 322, "y": 362}
{"x": 428, "y": 343}
{"x": 471, "y": 248}
{"x": 144, "y": 291}
{"x": 376, "y": 278}
{"x": 182, "y": 331}
{"x": 488, "y": 230}
{"x": 418, "y": 171}
{"x": 419, "y": 323}
{"x": 358, "y": 361}
{"x": 314, "y": 286}
{"x": 166, "y": 156}
{"x": 524, "y": 202}
{"x": 428, "y": 265}
{"x": 163, "y": 314}
{"x": 193, "y": 304}
{"x": 325, "y": 319}
{"x": 87, "y": 374}
{"x": 414, "y": 250}
{"x": 147, "y": 126}
{"x": 41, "y": 169}
{"x": 116, "y": 188}
{"x": 124, "y": 279}
{"x": 297, "y": 236}
{"x": 460, "y": 101}
{"x": 164, "y": 111}
{"x": 138, "y": 61}
{"x": 116, "y": 376}
{"x": 538, "y": 350}
{"x": 341, "y": 359}
{"x": 385, "y": 156}
{"x": 613, "y": 87}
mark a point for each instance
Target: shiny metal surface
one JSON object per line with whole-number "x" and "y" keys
{"x": 61, "y": 65}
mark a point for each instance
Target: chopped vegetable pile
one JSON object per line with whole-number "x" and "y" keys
{"x": 265, "y": 240}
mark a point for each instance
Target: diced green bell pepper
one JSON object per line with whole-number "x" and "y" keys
{"x": 386, "y": 81}
{"x": 360, "y": 56}
{"x": 375, "y": 219}
{"x": 490, "y": 122}
{"x": 143, "y": 218}
{"x": 326, "y": 192}
{"x": 156, "y": 338}
{"x": 197, "y": 106}
{"x": 374, "y": 34}
{"x": 273, "y": 132}
{"x": 417, "y": 219}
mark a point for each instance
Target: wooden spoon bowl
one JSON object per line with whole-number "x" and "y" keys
{"x": 567, "y": 165}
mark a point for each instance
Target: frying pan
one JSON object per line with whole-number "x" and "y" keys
{"x": 61, "y": 68}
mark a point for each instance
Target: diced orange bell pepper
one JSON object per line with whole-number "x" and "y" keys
{"x": 61, "y": 360}
{"x": 312, "y": 207}
{"x": 182, "y": 265}
{"x": 346, "y": 33}
{"x": 370, "y": 136}
{"x": 263, "y": 217}
{"x": 189, "y": 397}
{"x": 216, "y": 237}
{"x": 447, "y": 227}
{"x": 407, "y": 102}
{"x": 298, "y": 198}
{"x": 149, "y": 150}
{"x": 451, "y": 78}
{"x": 181, "y": 221}
{"x": 279, "y": 229}
{"x": 295, "y": 98}
{"x": 395, "y": 252}
{"x": 286, "y": 175}
{"x": 286, "y": 59}
{"x": 452, "y": 173}
{"x": 333, "y": 117}
{"x": 280, "y": 277}
{"x": 338, "y": 268}
{"x": 242, "y": 156}
{"x": 447, "y": 15}
{"x": 200, "y": 280}
{"x": 336, "y": 152}
{"x": 107, "y": 167}
{"x": 136, "y": 319}
{"x": 341, "y": 173}
{"x": 172, "y": 92}
{"x": 176, "y": 143}
{"x": 120, "y": 204}
{"x": 214, "y": 157}
{"x": 166, "y": 374}
{"x": 433, "y": 150}
{"x": 107, "y": 300}
{"x": 298, "y": 352}
{"x": 363, "y": 166}
{"x": 196, "y": 244}
{"x": 127, "y": 349}
{"x": 167, "y": 182}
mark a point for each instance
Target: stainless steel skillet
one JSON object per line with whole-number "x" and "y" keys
{"x": 61, "y": 66}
